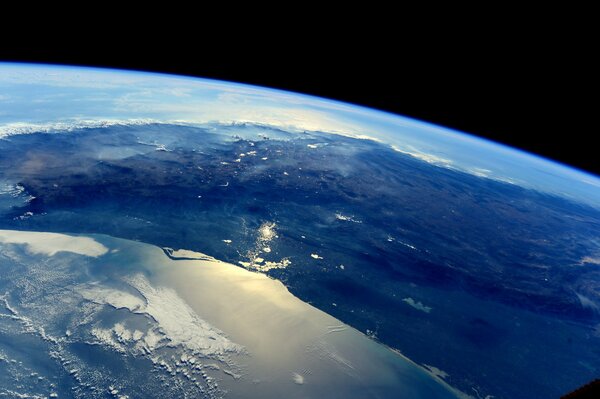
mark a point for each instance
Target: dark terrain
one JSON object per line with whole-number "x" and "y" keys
{"x": 494, "y": 284}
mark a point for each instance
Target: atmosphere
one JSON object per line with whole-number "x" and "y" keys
{"x": 168, "y": 236}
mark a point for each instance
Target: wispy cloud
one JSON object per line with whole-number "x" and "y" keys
{"x": 430, "y": 158}
{"x": 417, "y": 305}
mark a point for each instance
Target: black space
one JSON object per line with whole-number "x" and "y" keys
{"x": 528, "y": 90}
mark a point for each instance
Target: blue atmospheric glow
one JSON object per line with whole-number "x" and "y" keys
{"x": 43, "y": 94}
{"x": 206, "y": 238}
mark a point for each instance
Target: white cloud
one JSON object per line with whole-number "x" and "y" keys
{"x": 481, "y": 172}
{"x": 429, "y": 158}
{"x": 298, "y": 378}
{"x": 16, "y": 128}
{"x": 417, "y": 305}
{"x": 587, "y": 302}
{"x": 177, "y": 324}
{"x": 52, "y": 243}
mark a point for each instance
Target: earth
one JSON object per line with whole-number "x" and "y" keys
{"x": 167, "y": 237}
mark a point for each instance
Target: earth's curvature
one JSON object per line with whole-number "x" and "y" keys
{"x": 167, "y": 237}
